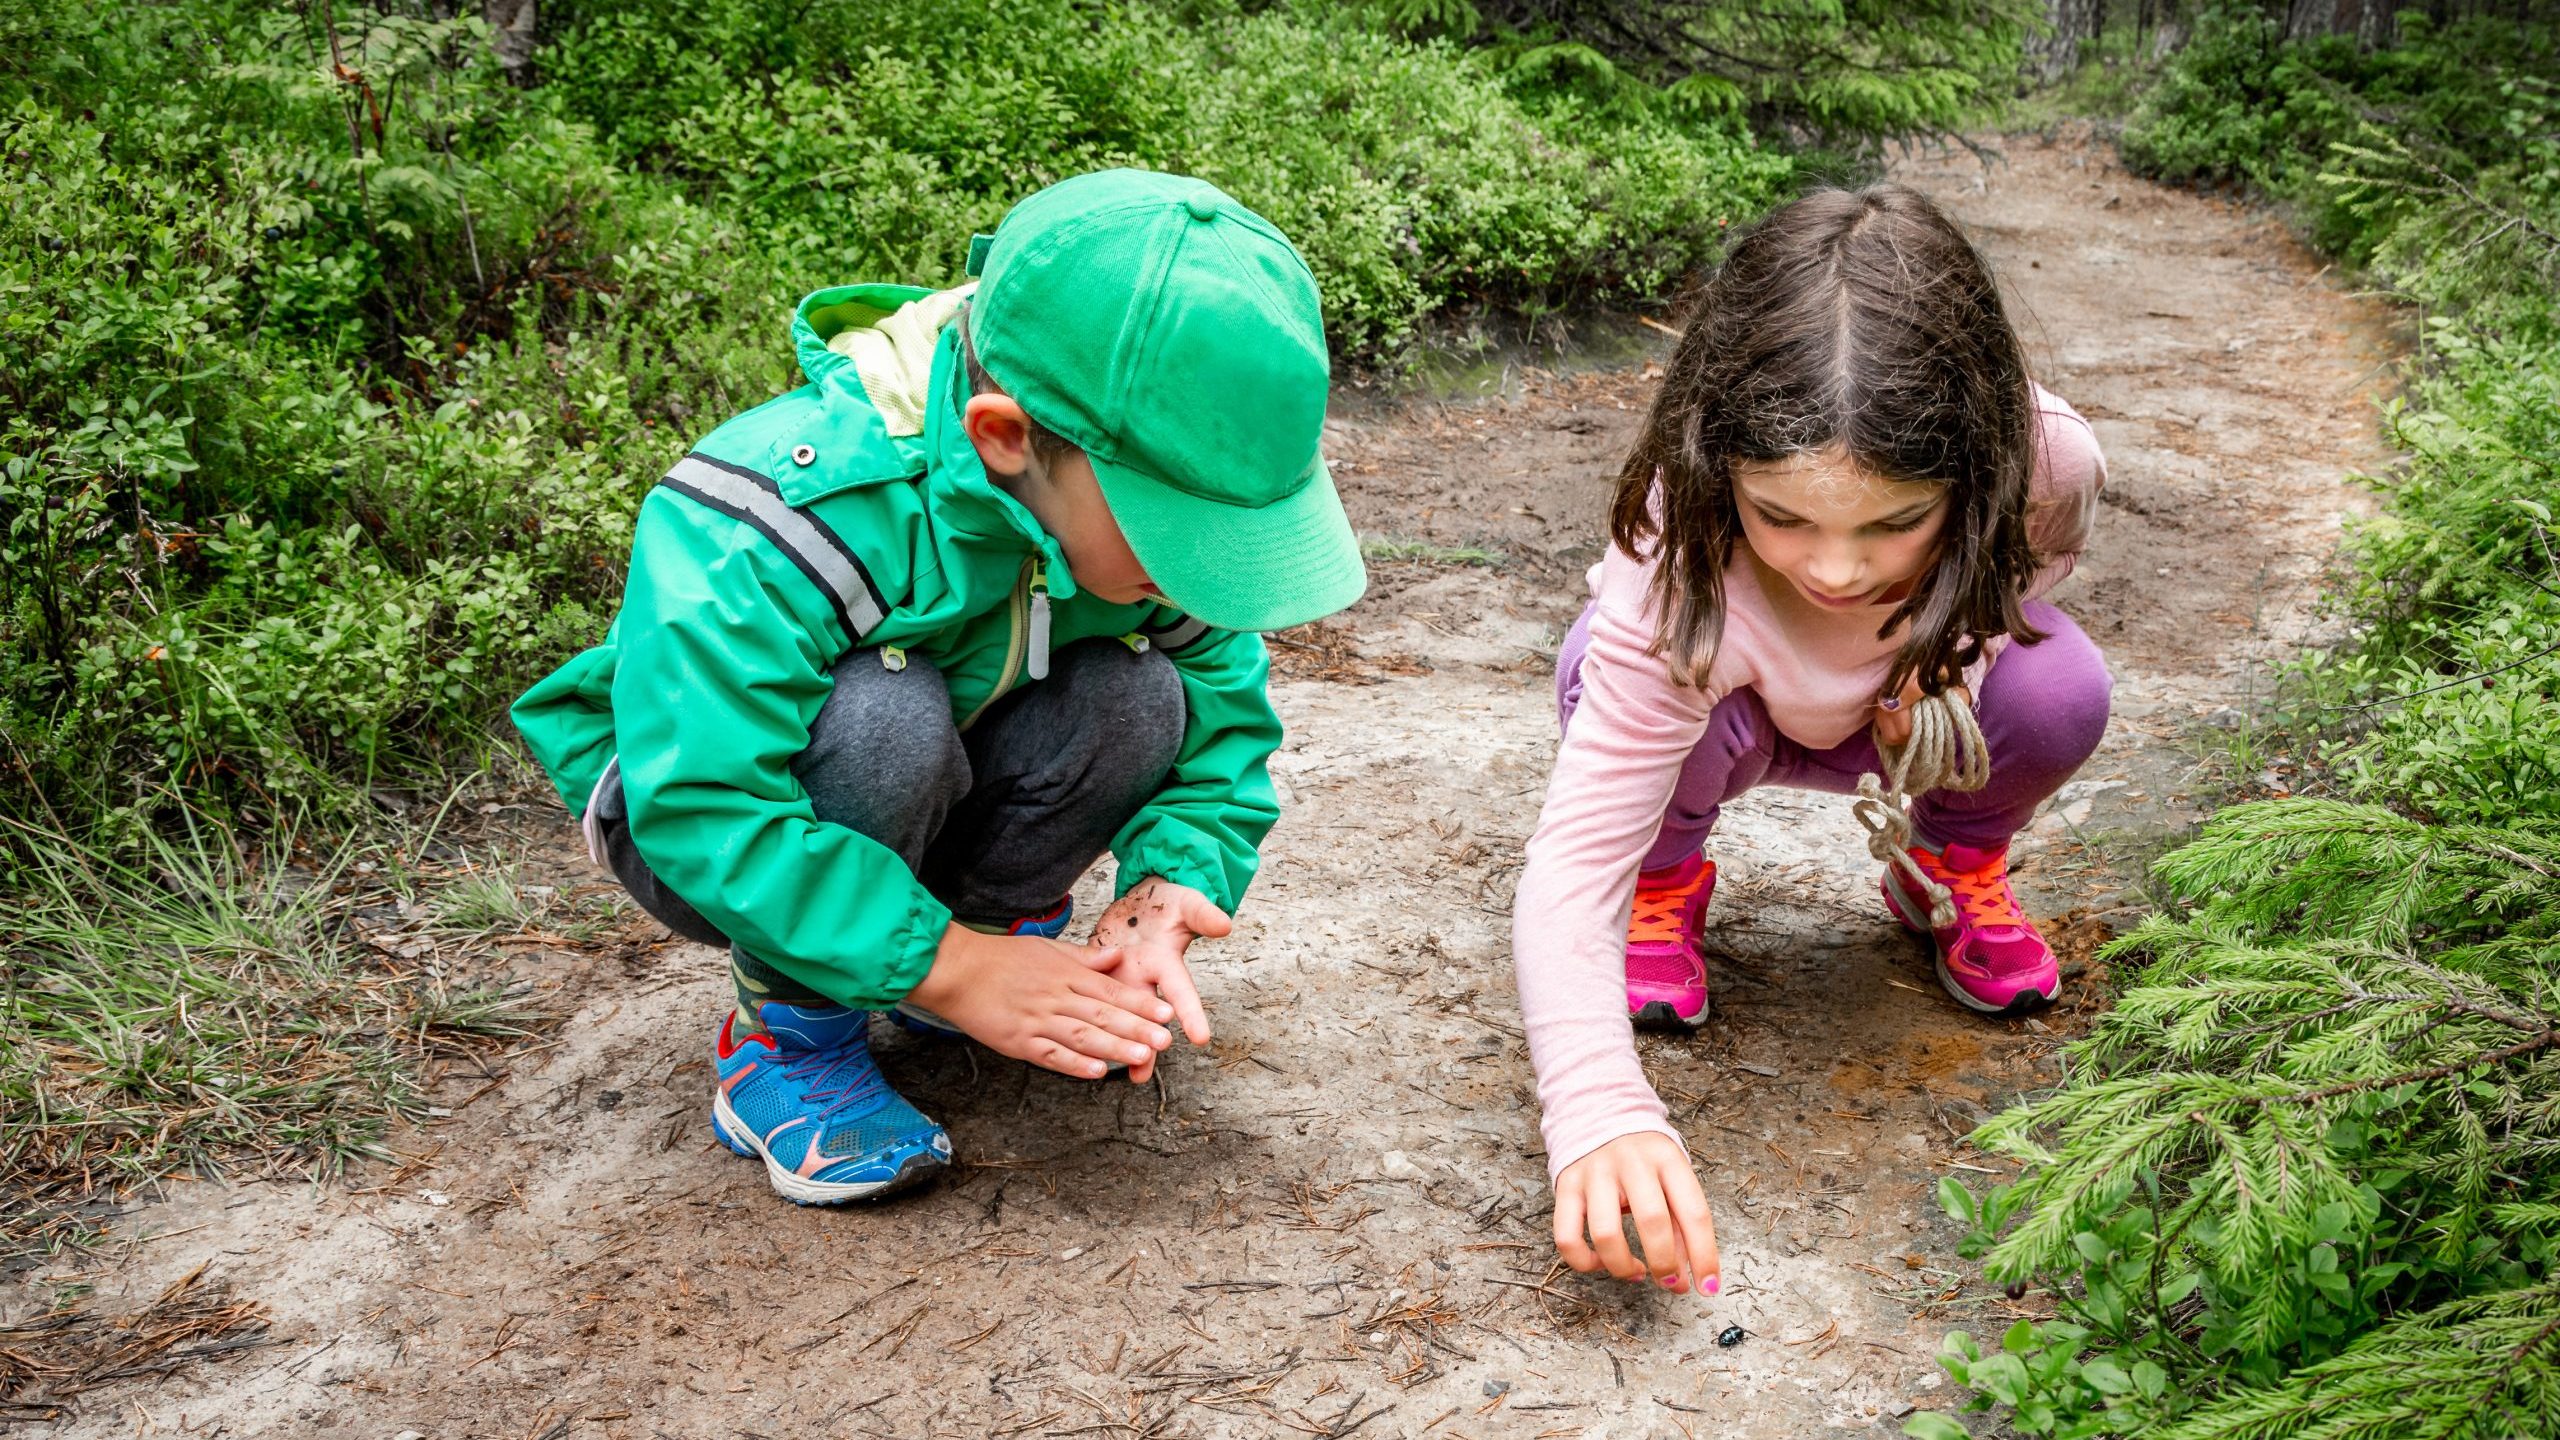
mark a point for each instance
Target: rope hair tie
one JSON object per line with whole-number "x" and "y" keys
{"x": 1946, "y": 751}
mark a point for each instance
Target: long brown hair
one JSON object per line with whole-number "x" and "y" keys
{"x": 1857, "y": 318}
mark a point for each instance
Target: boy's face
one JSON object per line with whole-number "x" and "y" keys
{"x": 1064, "y": 497}
{"x": 1843, "y": 537}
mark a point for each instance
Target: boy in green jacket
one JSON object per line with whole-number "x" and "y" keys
{"x": 904, "y": 650}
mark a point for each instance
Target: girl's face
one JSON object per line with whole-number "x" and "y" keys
{"x": 1844, "y": 537}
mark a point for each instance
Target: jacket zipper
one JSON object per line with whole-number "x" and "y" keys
{"x": 1030, "y": 603}
{"x": 1036, "y": 664}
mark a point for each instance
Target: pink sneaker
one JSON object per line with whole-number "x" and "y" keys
{"x": 1992, "y": 960}
{"x": 1666, "y": 973}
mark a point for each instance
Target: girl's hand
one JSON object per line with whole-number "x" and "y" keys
{"x": 1646, "y": 1175}
{"x": 1893, "y": 717}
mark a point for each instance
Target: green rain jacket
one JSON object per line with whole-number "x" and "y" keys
{"x": 850, "y": 513}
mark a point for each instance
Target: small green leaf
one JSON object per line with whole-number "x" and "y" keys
{"x": 1930, "y": 1425}
{"x": 2021, "y": 1337}
{"x": 2376, "y": 1277}
{"x": 2003, "y": 1378}
{"x": 2150, "y": 1379}
{"x": 2107, "y": 1376}
{"x": 1956, "y": 1200}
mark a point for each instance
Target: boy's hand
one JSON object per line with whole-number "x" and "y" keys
{"x": 1646, "y": 1175}
{"x": 1893, "y": 726}
{"x": 1151, "y": 927}
{"x": 1044, "y": 1001}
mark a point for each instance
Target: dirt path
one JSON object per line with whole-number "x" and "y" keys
{"x": 1334, "y": 1222}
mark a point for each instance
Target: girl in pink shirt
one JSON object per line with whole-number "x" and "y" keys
{"x": 1849, "y": 494}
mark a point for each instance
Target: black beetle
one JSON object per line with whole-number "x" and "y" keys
{"x": 1733, "y": 1335}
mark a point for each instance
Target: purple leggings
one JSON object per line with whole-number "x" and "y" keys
{"x": 2043, "y": 708}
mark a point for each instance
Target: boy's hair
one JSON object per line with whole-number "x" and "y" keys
{"x": 1861, "y": 319}
{"x": 1047, "y": 444}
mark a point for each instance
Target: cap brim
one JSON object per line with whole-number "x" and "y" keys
{"x": 1235, "y": 567}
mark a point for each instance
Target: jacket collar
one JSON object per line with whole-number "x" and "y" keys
{"x": 956, "y": 484}
{"x": 910, "y": 371}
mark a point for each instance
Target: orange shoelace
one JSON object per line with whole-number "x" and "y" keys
{"x": 1983, "y": 892}
{"x": 1657, "y": 912}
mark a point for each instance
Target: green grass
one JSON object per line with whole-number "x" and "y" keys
{"x": 1396, "y": 550}
{"x": 196, "y": 1008}
{"x": 490, "y": 900}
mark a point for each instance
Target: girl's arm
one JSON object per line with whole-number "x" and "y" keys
{"x": 2062, "y": 496}
{"x": 1613, "y": 779}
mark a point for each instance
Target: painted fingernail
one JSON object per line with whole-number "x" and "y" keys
{"x": 1671, "y": 1283}
{"x": 1708, "y": 1285}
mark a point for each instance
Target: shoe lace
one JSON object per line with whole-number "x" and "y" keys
{"x": 1660, "y": 911}
{"x": 1982, "y": 892}
{"x": 839, "y": 1077}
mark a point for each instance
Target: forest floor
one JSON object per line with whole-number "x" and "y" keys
{"x": 1334, "y": 1220}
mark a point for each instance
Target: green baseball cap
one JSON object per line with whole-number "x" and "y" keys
{"x": 1174, "y": 336}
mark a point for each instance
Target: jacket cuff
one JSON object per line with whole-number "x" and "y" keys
{"x": 1182, "y": 855}
{"x": 916, "y": 944}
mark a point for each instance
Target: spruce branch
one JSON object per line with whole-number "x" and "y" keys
{"x": 2495, "y": 1352}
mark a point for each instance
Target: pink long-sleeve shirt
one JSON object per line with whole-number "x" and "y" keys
{"x": 1818, "y": 672}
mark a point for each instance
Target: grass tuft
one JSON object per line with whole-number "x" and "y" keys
{"x": 198, "y": 1009}
{"x": 1397, "y": 550}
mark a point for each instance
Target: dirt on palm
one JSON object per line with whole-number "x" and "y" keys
{"x": 1333, "y": 1221}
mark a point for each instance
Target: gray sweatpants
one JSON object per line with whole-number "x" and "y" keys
{"x": 998, "y": 822}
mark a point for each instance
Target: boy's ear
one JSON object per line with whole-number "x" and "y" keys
{"x": 1000, "y": 430}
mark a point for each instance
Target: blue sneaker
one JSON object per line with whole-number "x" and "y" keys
{"x": 807, "y": 1099}
{"x": 1048, "y": 926}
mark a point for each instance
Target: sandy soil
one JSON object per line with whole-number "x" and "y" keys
{"x": 1333, "y": 1221}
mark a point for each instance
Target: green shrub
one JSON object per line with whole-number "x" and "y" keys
{"x": 2304, "y": 1180}
{"x": 333, "y": 366}
{"x": 870, "y": 139}
{"x": 1842, "y": 77}
{"x": 321, "y": 434}
{"x": 2238, "y": 103}
{"x": 2317, "y": 1124}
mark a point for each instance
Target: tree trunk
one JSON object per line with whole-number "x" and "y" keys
{"x": 2373, "y": 23}
{"x": 512, "y": 20}
{"x": 2056, "y": 53}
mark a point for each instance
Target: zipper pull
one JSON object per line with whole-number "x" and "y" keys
{"x": 1037, "y": 666}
